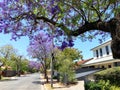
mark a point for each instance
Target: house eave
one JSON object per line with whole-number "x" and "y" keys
{"x": 102, "y": 62}
{"x": 101, "y": 45}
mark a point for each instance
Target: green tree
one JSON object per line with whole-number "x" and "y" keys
{"x": 24, "y": 65}
{"x": 9, "y": 56}
{"x": 19, "y": 64}
{"x": 72, "y": 53}
{"x": 64, "y": 63}
{"x": 6, "y": 53}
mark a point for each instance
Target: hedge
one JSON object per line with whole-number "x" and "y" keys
{"x": 112, "y": 74}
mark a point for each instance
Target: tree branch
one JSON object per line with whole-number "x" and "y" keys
{"x": 46, "y": 20}
{"x": 97, "y": 25}
{"x": 102, "y": 12}
{"x": 97, "y": 11}
{"x": 82, "y": 14}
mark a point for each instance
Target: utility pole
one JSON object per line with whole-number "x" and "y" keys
{"x": 0, "y": 72}
{"x": 0, "y": 69}
{"x": 52, "y": 59}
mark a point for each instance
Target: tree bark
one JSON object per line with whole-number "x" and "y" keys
{"x": 45, "y": 72}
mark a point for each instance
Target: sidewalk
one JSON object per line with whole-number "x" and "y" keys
{"x": 59, "y": 86}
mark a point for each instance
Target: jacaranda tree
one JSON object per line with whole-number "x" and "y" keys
{"x": 70, "y": 18}
{"x": 41, "y": 48}
{"x": 34, "y": 66}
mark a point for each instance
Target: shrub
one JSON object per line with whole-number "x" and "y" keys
{"x": 112, "y": 74}
{"x": 114, "y": 88}
{"x": 92, "y": 86}
{"x": 101, "y": 85}
{"x": 68, "y": 78}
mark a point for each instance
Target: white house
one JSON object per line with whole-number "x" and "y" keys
{"x": 102, "y": 57}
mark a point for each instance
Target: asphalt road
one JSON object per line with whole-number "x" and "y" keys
{"x": 28, "y": 82}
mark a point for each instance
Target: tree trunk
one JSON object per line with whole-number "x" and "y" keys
{"x": 114, "y": 28}
{"x": 45, "y": 72}
{"x": 115, "y": 46}
{"x": 115, "y": 34}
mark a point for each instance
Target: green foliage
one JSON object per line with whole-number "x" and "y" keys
{"x": 24, "y": 65}
{"x": 114, "y": 88}
{"x": 101, "y": 85}
{"x": 72, "y": 53}
{"x": 7, "y": 51}
{"x": 64, "y": 63}
{"x": 112, "y": 74}
{"x": 66, "y": 68}
{"x": 10, "y": 58}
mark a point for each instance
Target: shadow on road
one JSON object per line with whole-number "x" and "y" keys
{"x": 38, "y": 82}
{"x": 8, "y": 80}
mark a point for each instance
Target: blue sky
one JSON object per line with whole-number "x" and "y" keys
{"x": 86, "y": 47}
{"x": 21, "y": 45}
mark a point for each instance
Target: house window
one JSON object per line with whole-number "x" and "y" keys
{"x": 103, "y": 67}
{"x": 101, "y": 54}
{"x": 97, "y": 53}
{"x": 107, "y": 50}
{"x": 109, "y": 66}
{"x": 115, "y": 64}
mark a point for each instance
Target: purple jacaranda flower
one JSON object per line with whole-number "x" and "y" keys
{"x": 55, "y": 9}
{"x": 34, "y": 65}
{"x": 40, "y": 44}
{"x": 0, "y": 30}
{"x": 64, "y": 45}
{"x": 52, "y": 2}
{"x": 70, "y": 43}
{"x": 59, "y": 32}
{"x": 2, "y": 4}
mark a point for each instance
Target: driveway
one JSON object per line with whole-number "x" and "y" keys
{"x": 28, "y": 82}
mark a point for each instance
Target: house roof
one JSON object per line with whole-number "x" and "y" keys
{"x": 83, "y": 61}
{"x": 109, "y": 41}
{"x": 99, "y": 60}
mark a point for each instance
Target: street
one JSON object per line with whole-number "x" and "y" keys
{"x": 28, "y": 82}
